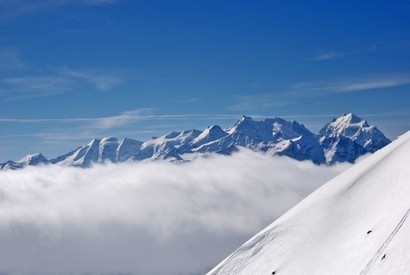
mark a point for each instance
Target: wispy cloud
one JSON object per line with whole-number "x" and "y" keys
{"x": 124, "y": 118}
{"x": 301, "y": 93}
{"x": 331, "y": 55}
{"x": 353, "y": 85}
{"x": 103, "y": 81}
{"x": 374, "y": 84}
{"x": 259, "y": 101}
{"x": 34, "y": 86}
{"x": 190, "y": 100}
{"x": 102, "y": 2}
{"x": 107, "y": 122}
{"x": 10, "y": 60}
{"x": 147, "y": 114}
{"x": 12, "y": 9}
{"x": 60, "y": 80}
{"x": 326, "y": 56}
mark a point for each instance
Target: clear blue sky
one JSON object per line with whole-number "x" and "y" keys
{"x": 73, "y": 70}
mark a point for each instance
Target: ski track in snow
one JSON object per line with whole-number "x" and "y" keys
{"x": 385, "y": 244}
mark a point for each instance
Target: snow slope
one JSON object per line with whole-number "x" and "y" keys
{"x": 357, "y": 223}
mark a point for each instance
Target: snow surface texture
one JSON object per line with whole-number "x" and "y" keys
{"x": 355, "y": 224}
{"x": 342, "y": 140}
{"x": 145, "y": 217}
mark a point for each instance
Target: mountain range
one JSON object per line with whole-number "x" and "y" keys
{"x": 343, "y": 139}
{"x": 354, "y": 224}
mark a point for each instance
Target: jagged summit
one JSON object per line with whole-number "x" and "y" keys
{"x": 33, "y": 159}
{"x": 172, "y": 134}
{"x": 343, "y": 139}
{"x": 210, "y": 134}
{"x": 348, "y": 125}
{"x": 99, "y": 151}
{"x": 108, "y": 139}
{"x": 350, "y": 117}
{"x": 269, "y": 129}
{"x": 350, "y": 131}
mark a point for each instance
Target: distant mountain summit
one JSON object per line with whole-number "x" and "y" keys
{"x": 347, "y": 137}
{"x": 343, "y": 139}
{"x": 99, "y": 151}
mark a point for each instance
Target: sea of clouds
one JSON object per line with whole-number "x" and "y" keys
{"x": 147, "y": 217}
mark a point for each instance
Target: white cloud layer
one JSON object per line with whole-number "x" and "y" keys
{"x": 145, "y": 218}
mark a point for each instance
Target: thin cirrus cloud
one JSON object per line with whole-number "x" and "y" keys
{"x": 123, "y": 118}
{"x": 59, "y": 81}
{"x": 25, "y": 87}
{"x": 326, "y": 56}
{"x": 144, "y": 114}
{"x": 10, "y": 60}
{"x": 145, "y": 218}
{"x": 331, "y": 55}
{"x": 13, "y": 9}
{"x": 84, "y": 127}
{"x": 259, "y": 101}
{"x": 102, "y": 2}
{"x": 375, "y": 84}
{"x": 352, "y": 85}
{"x": 309, "y": 90}
{"x": 102, "y": 81}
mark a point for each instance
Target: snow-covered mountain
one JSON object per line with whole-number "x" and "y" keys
{"x": 274, "y": 136}
{"x": 355, "y": 224}
{"x": 33, "y": 159}
{"x": 343, "y": 139}
{"x": 99, "y": 151}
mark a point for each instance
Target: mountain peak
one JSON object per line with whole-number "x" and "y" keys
{"x": 350, "y": 131}
{"x": 214, "y": 128}
{"x": 172, "y": 134}
{"x": 33, "y": 159}
{"x": 211, "y": 133}
{"x": 349, "y": 119}
{"x": 347, "y": 124}
{"x": 108, "y": 139}
{"x": 244, "y": 120}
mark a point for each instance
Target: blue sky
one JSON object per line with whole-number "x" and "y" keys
{"x": 73, "y": 70}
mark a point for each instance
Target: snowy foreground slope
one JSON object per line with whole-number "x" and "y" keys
{"x": 355, "y": 224}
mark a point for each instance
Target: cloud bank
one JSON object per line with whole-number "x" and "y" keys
{"x": 145, "y": 218}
